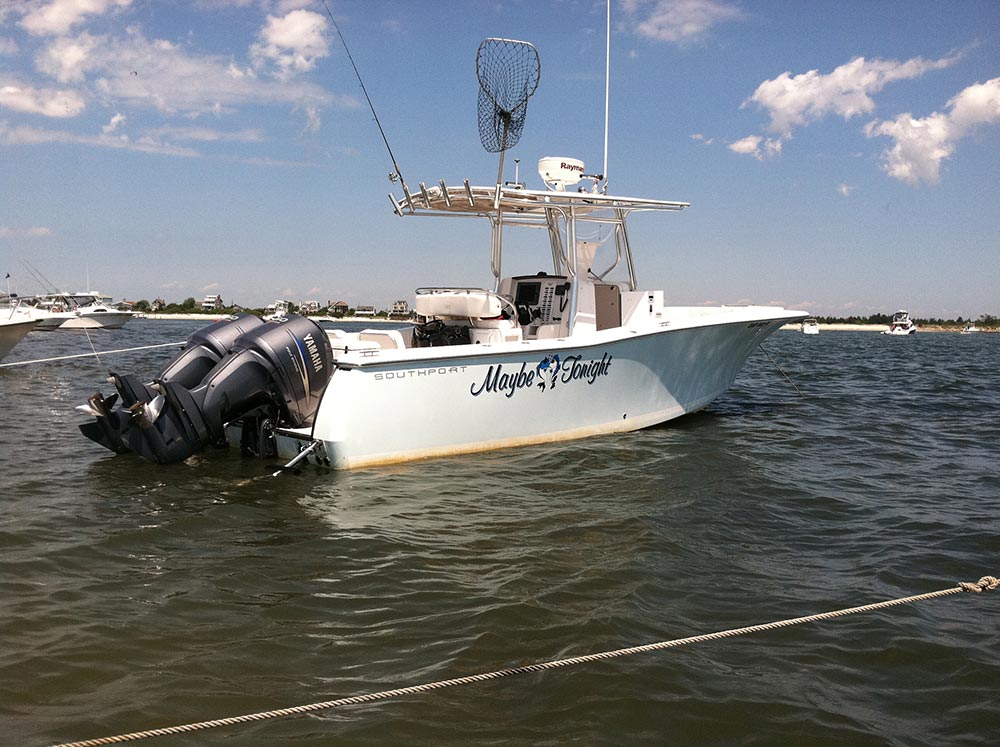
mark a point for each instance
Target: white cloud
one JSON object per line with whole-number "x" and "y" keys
{"x": 702, "y": 139}
{"x": 159, "y": 74}
{"x": 845, "y": 189}
{"x": 678, "y": 20}
{"x": 37, "y": 136}
{"x": 49, "y": 102}
{"x": 922, "y": 144}
{"x": 114, "y": 124}
{"x": 203, "y": 134}
{"x": 66, "y": 59}
{"x": 757, "y": 146}
{"x": 293, "y": 42}
{"x": 8, "y": 47}
{"x": 211, "y": 287}
{"x": 6, "y": 232}
{"x": 57, "y": 17}
{"x": 796, "y": 100}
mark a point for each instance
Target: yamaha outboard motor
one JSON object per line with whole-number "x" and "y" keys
{"x": 203, "y": 349}
{"x": 278, "y": 369}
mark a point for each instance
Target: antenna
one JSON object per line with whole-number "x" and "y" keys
{"x": 607, "y": 97}
{"x": 508, "y": 73}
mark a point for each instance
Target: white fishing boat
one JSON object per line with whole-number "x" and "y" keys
{"x": 12, "y": 331}
{"x": 82, "y": 310}
{"x": 970, "y": 328}
{"x": 809, "y": 326}
{"x": 88, "y": 310}
{"x": 567, "y": 347}
{"x": 46, "y": 317}
{"x": 901, "y": 324}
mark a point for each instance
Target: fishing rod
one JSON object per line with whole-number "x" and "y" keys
{"x": 371, "y": 106}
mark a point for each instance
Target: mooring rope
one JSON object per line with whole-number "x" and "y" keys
{"x": 781, "y": 370}
{"x": 986, "y": 583}
{"x": 97, "y": 353}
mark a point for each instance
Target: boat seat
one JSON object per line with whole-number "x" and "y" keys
{"x": 386, "y": 339}
{"x": 458, "y": 303}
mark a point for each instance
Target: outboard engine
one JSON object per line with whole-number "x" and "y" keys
{"x": 203, "y": 349}
{"x": 278, "y": 369}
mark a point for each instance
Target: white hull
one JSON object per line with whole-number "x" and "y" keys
{"x": 97, "y": 320}
{"x": 442, "y": 401}
{"x": 11, "y": 333}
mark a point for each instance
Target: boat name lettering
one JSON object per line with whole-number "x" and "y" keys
{"x": 550, "y": 371}
{"x": 573, "y": 369}
{"x": 414, "y": 372}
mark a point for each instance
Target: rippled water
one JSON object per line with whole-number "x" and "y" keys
{"x": 136, "y": 596}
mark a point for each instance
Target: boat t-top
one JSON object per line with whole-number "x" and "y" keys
{"x": 567, "y": 347}
{"x": 901, "y": 324}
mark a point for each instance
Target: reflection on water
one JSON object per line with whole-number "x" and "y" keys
{"x": 138, "y": 596}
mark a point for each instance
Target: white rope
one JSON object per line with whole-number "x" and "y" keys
{"x": 781, "y": 370}
{"x": 87, "y": 355}
{"x": 986, "y": 583}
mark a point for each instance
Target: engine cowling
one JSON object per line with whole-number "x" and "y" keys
{"x": 277, "y": 369}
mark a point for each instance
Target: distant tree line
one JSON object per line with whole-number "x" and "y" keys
{"x": 984, "y": 320}
{"x": 191, "y": 306}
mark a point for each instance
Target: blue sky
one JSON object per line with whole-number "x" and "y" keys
{"x": 839, "y": 157}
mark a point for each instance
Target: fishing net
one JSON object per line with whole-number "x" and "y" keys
{"x": 508, "y": 73}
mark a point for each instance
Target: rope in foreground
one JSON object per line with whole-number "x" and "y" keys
{"x": 986, "y": 583}
{"x": 97, "y": 353}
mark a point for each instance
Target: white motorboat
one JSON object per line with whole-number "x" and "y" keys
{"x": 12, "y": 331}
{"x": 544, "y": 355}
{"x": 91, "y": 311}
{"x": 809, "y": 326}
{"x": 47, "y": 317}
{"x": 901, "y": 324}
{"x": 970, "y": 328}
{"x": 83, "y": 310}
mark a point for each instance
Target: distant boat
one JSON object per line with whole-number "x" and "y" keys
{"x": 970, "y": 328}
{"x": 809, "y": 326}
{"x": 83, "y": 310}
{"x": 901, "y": 324}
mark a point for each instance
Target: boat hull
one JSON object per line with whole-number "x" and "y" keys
{"x": 488, "y": 397}
{"x": 103, "y": 320}
{"x": 12, "y": 332}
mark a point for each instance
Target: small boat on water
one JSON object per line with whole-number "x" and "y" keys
{"x": 546, "y": 354}
{"x": 901, "y": 324}
{"x": 970, "y": 328}
{"x": 83, "y": 310}
{"x": 809, "y": 326}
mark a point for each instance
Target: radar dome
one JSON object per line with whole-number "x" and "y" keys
{"x": 559, "y": 173}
